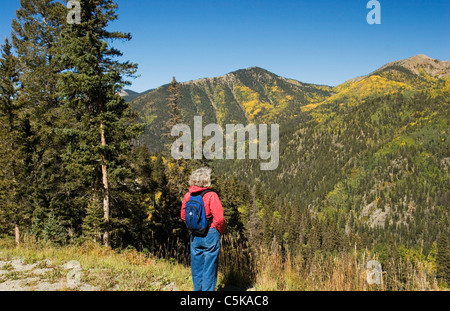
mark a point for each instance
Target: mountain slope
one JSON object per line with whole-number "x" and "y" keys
{"x": 129, "y": 95}
{"x": 251, "y": 95}
{"x": 413, "y": 74}
{"x": 420, "y": 64}
{"x": 255, "y": 95}
{"x": 374, "y": 156}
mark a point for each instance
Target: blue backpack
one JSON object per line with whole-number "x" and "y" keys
{"x": 196, "y": 220}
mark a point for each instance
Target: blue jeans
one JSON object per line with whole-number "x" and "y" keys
{"x": 205, "y": 260}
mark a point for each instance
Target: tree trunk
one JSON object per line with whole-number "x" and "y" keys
{"x": 13, "y": 168}
{"x": 106, "y": 235}
{"x": 17, "y": 234}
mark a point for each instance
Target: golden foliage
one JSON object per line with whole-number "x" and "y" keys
{"x": 251, "y": 102}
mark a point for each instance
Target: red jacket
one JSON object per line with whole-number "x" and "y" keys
{"x": 213, "y": 208}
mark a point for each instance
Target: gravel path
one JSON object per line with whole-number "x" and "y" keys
{"x": 15, "y": 275}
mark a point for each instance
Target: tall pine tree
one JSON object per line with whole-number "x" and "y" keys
{"x": 90, "y": 88}
{"x": 12, "y": 142}
{"x": 177, "y": 170}
{"x": 175, "y": 116}
{"x": 36, "y": 38}
{"x": 443, "y": 258}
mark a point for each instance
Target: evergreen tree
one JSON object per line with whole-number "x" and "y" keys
{"x": 443, "y": 258}
{"x": 36, "y": 38}
{"x": 254, "y": 223}
{"x": 90, "y": 88}
{"x": 175, "y": 116}
{"x": 93, "y": 222}
{"x": 231, "y": 194}
{"x": 167, "y": 201}
{"x": 53, "y": 231}
{"x": 314, "y": 238}
{"x": 177, "y": 170}
{"x": 12, "y": 142}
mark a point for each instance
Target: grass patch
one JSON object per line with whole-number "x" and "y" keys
{"x": 101, "y": 267}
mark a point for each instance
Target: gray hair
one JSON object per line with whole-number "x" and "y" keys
{"x": 201, "y": 177}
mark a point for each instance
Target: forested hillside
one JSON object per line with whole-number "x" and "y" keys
{"x": 373, "y": 159}
{"x": 363, "y": 174}
{"x": 251, "y": 95}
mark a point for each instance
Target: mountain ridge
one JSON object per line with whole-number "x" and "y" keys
{"x": 242, "y": 96}
{"x": 256, "y": 95}
{"x": 412, "y": 63}
{"x": 373, "y": 156}
{"x": 431, "y": 66}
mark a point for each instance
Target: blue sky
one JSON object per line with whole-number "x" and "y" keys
{"x": 323, "y": 42}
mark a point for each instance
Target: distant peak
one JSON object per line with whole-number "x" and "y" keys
{"x": 420, "y": 56}
{"x": 256, "y": 68}
{"x": 123, "y": 93}
{"x": 430, "y": 65}
{"x": 255, "y": 71}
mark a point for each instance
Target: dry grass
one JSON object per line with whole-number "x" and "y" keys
{"x": 260, "y": 270}
{"x": 339, "y": 272}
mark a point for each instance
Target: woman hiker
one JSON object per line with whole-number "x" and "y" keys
{"x": 205, "y": 246}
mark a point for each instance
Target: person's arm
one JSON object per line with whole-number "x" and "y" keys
{"x": 217, "y": 212}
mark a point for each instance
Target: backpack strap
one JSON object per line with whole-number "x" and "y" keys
{"x": 202, "y": 193}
